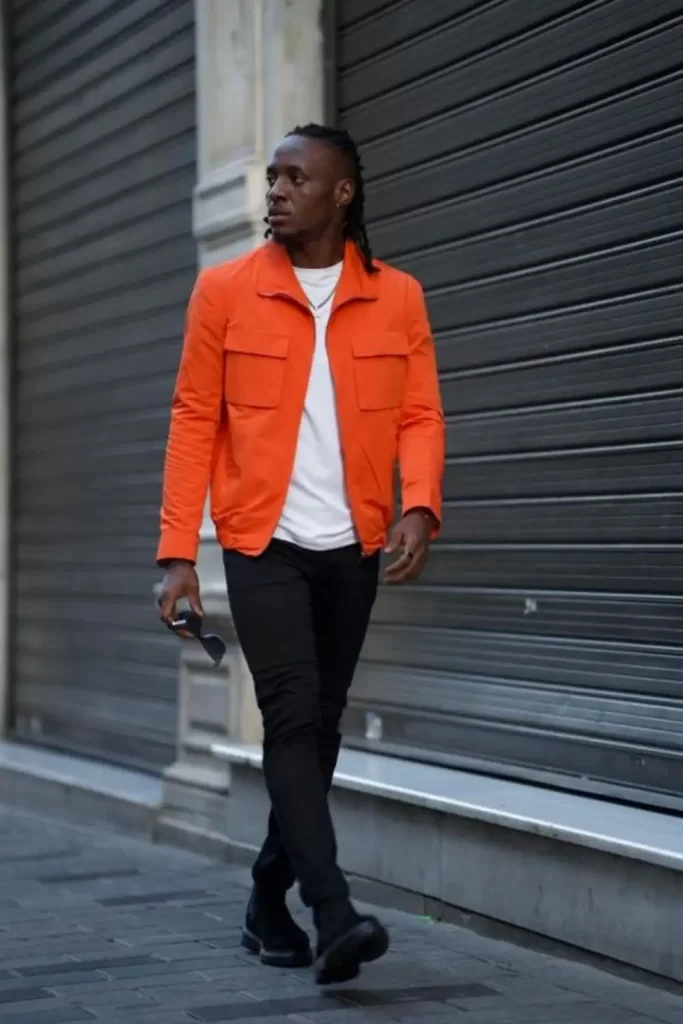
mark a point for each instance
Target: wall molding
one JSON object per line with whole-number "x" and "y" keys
{"x": 228, "y": 207}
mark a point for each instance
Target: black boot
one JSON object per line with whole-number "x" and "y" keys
{"x": 345, "y": 941}
{"x": 271, "y": 932}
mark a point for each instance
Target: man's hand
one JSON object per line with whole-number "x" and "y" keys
{"x": 410, "y": 536}
{"x": 180, "y": 581}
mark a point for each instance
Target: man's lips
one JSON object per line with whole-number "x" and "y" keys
{"x": 275, "y": 216}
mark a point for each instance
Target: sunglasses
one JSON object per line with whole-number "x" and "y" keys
{"x": 188, "y": 626}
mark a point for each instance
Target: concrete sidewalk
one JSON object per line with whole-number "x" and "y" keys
{"x": 95, "y": 927}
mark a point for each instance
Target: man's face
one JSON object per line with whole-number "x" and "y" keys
{"x": 308, "y": 188}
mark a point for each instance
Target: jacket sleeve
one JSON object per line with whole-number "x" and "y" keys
{"x": 195, "y": 420}
{"x": 421, "y": 443}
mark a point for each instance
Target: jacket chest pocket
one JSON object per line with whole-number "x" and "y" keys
{"x": 255, "y": 364}
{"x": 381, "y": 369}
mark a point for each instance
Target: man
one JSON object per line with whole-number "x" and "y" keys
{"x": 308, "y": 371}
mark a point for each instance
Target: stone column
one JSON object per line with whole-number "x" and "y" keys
{"x": 259, "y": 73}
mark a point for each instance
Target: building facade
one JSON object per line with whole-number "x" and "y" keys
{"x": 522, "y": 160}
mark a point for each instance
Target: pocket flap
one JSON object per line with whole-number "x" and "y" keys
{"x": 256, "y": 343}
{"x": 383, "y": 343}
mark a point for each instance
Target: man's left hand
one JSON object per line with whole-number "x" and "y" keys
{"x": 410, "y": 536}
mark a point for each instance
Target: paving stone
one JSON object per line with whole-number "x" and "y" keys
{"x": 153, "y": 1017}
{"x": 89, "y": 876}
{"x": 119, "y": 984}
{"x": 655, "y": 1009}
{"x": 80, "y": 948}
{"x": 31, "y": 961}
{"x": 167, "y": 967}
{"x": 527, "y": 991}
{"x": 85, "y": 965}
{"x": 192, "y": 951}
{"x": 112, "y": 999}
{"x": 66, "y": 1015}
{"x": 267, "y": 991}
{"x": 226, "y": 941}
{"x": 37, "y": 858}
{"x": 355, "y": 1015}
{"x": 587, "y": 1012}
{"x": 261, "y": 1009}
{"x": 169, "y": 939}
{"x": 175, "y": 896}
{"x": 432, "y": 1013}
{"x": 180, "y": 920}
{"x": 419, "y": 993}
{"x": 54, "y": 982}
{"x": 293, "y": 1018}
{"x": 10, "y": 994}
{"x": 196, "y": 991}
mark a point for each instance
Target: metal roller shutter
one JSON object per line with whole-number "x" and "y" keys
{"x": 524, "y": 162}
{"x": 103, "y": 153}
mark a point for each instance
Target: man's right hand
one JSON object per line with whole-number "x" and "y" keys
{"x": 180, "y": 581}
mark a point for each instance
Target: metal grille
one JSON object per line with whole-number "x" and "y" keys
{"x": 103, "y": 153}
{"x": 523, "y": 161}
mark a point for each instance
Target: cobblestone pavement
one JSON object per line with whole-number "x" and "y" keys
{"x": 95, "y": 927}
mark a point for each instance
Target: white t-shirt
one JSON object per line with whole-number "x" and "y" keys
{"x": 316, "y": 514}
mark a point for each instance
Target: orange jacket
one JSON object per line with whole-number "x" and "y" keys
{"x": 240, "y": 394}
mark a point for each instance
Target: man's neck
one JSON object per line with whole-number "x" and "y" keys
{"x": 317, "y": 255}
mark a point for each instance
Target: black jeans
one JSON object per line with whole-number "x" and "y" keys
{"x": 301, "y": 619}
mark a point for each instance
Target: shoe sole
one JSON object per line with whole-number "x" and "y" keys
{"x": 274, "y": 957}
{"x": 366, "y": 941}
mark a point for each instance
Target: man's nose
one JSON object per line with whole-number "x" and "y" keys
{"x": 278, "y": 190}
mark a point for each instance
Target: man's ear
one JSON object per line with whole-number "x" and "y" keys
{"x": 344, "y": 192}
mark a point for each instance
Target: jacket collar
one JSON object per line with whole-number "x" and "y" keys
{"x": 276, "y": 277}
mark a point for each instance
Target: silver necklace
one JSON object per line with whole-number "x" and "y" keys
{"x": 319, "y": 306}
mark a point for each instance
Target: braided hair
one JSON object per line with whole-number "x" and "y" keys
{"x": 354, "y": 228}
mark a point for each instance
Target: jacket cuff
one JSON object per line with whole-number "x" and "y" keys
{"x": 175, "y": 544}
{"x": 419, "y": 498}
